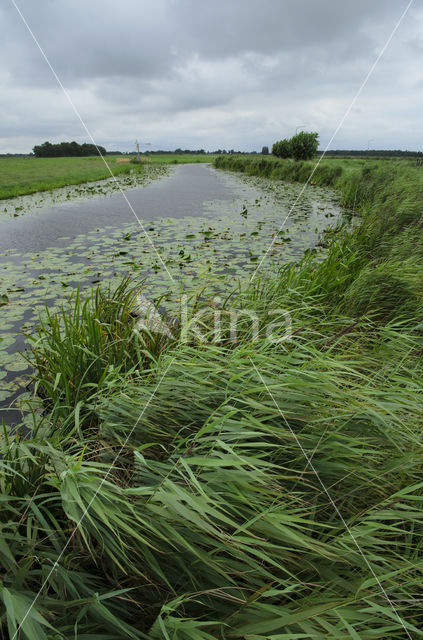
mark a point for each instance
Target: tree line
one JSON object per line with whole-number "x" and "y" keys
{"x": 61, "y": 149}
{"x": 394, "y": 153}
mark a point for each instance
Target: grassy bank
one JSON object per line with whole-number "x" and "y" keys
{"x": 259, "y": 489}
{"x": 21, "y": 176}
{"x": 355, "y": 178}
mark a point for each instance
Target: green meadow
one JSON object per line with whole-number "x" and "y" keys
{"x": 178, "y": 158}
{"x": 21, "y": 176}
{"x": 233, "y": 486}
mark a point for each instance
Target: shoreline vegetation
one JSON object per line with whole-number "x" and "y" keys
{"x": 257, "y": 490}
{"x": 354, "y": 178}
{"x": 27, "y": 175}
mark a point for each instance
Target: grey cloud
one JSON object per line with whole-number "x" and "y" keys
{"x": 147, "y": 39}
{"x": 227, "y": 73}
{"x": 86, "y": 40}
{"x": 228, "y": 26}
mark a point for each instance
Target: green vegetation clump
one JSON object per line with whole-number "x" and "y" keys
{"x": 326, "y": 174}
{"x": 302, "y": 146}
{"x": 241, "y": 487}
{"x": 76, "y": 355}
{"x": 282, "y": 149}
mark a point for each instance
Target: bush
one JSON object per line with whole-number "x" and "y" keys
{"x": 304, "y": 145}
{"x": 282, "y": 149}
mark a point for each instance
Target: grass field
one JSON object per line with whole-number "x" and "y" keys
{"x": 181, "y": 158}
{"x": 258, "y": 491}
{"x": 21, "y": 176}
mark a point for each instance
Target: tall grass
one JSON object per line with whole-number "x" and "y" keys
{"x": 89, "y": 348}
{"x": 282, "y": 169}
{"x": 265, "y": 491}
{"x": 359, "y": 181}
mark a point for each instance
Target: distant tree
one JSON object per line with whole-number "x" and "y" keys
{"x": 282, "y": 149}
{"x": 265, "y": 151}
{"x": 68, "y": 149}
{"x": 42, "y": 150}
{"x": 304, "y": 145}
{"x": 74, "y": 149}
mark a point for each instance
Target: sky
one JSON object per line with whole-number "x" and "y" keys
{"x": 228, "y": 74}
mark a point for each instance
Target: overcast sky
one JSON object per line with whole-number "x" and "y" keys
{"x": 233, "y": 74}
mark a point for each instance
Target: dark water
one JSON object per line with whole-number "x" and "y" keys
{"x": 182, "y": 193}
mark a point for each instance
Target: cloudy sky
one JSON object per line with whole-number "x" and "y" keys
{"x": 211, "y": 74}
